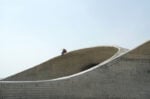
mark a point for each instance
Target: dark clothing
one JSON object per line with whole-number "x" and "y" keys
{"x": 63, "y": 51}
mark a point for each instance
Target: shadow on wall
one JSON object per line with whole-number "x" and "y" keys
{"x": 89, "y": 66}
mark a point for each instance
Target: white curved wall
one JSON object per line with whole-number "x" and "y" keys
{"x": 125, "y": 77}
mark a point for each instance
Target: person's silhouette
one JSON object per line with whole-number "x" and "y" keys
{"x": 63, "y": 51}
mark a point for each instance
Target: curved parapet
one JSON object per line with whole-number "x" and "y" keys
{"x": 123, "y": 76}
{"x": 65, "y": 65}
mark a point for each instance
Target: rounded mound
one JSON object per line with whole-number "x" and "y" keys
{"x": 68, "y": 64}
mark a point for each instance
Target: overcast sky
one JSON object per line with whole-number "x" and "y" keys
{"x": 33, "y": 31}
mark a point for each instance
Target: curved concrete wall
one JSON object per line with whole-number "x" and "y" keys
{"x": 68, "y": 64}
{"x": 126, "y": 76}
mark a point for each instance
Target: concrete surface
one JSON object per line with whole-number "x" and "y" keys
{"x": 65, "y": 65}
{"x": 123, "y": 76}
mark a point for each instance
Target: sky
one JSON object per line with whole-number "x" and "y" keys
{"x": 33, "y": 31}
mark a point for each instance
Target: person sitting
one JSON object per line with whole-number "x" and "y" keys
{"x": 63, "y": 51}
